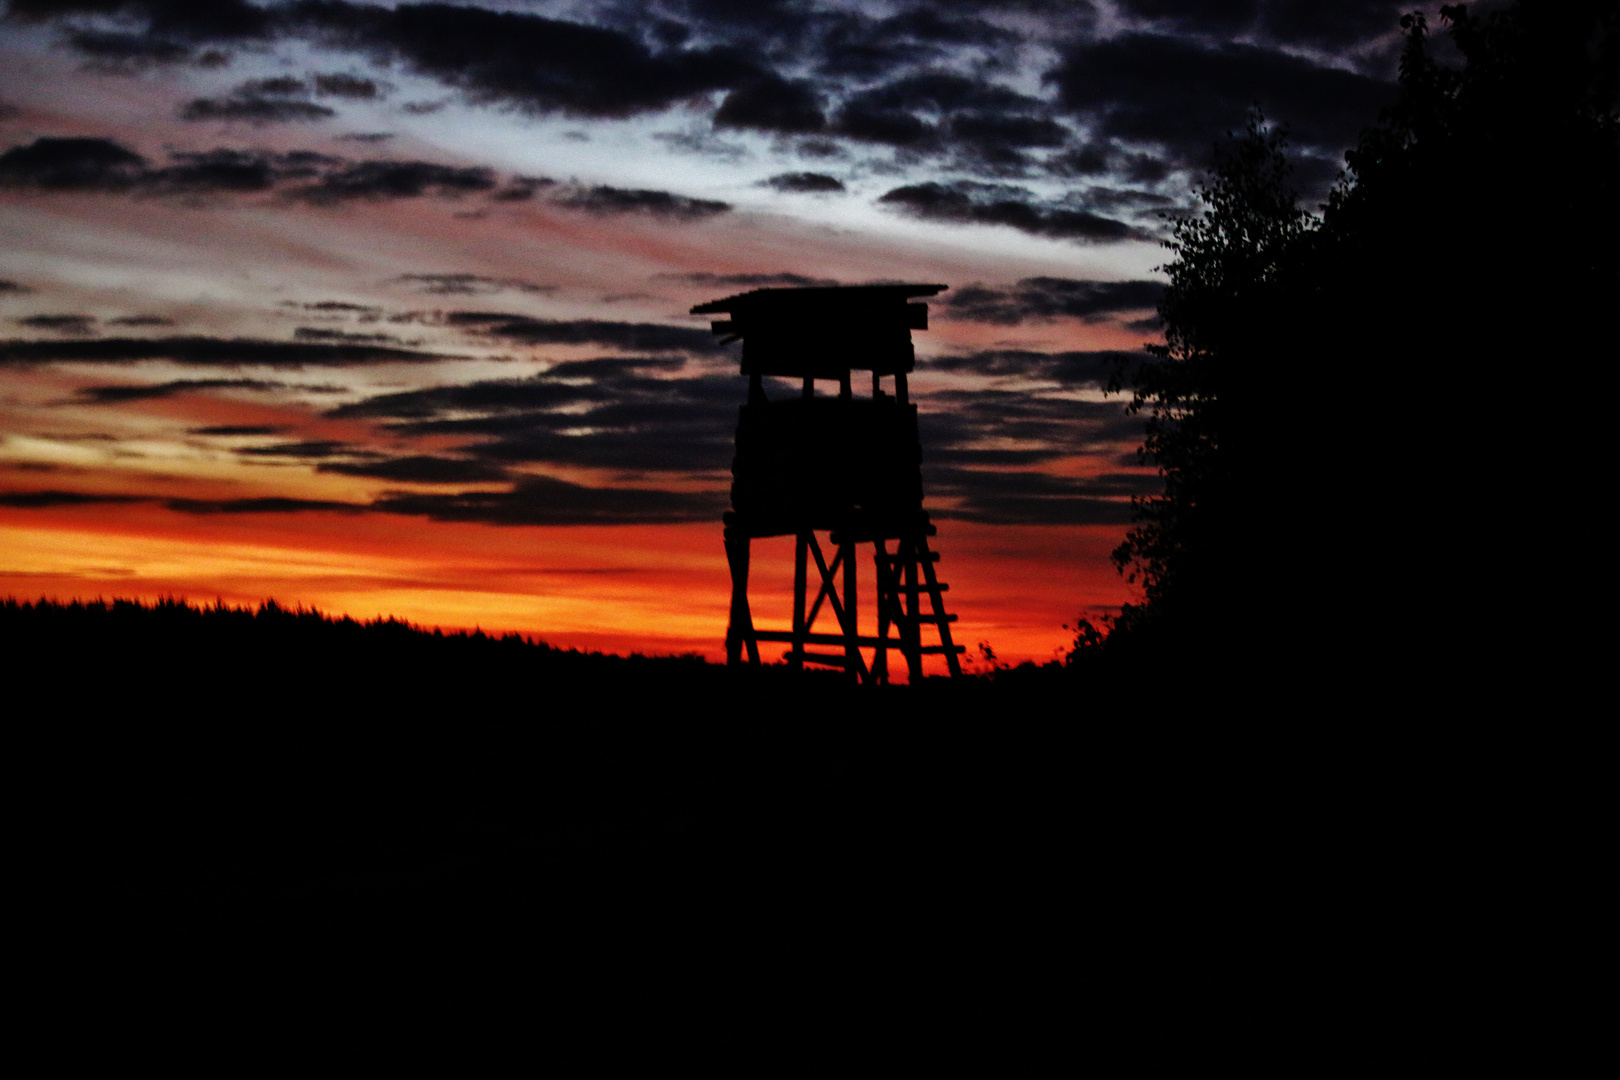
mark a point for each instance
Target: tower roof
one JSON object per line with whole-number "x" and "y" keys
{"x": 817, "y": 297}
{"x": 823, "y": 332}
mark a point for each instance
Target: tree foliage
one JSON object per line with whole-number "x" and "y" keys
{"x": 1231, "y": 261}
{"x": 1345, "y": 411}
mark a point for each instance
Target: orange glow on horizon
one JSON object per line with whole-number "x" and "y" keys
{"x": 654, "y": 589}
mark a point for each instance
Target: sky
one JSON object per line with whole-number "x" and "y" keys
{"x": 383, "y": 308}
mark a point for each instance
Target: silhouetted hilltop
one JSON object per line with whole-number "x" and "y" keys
{"x": 106, "y": 647}
{"x": 191, "y": 641}
{"x": 229, "y": 795}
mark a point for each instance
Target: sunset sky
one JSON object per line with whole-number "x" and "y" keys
{"x": 383, "y": 308}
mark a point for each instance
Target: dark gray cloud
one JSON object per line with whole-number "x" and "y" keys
{"x": 129, "y": 53}
{"x": 1044, "y": 298}
{"x": 13, "y": 288}
{"x": 1102, "y": 157}
{"x": 275, "y": 86}
{"x": 936, "y": 111}
{"x": 890, "y": 127}
{"x": 772, "y": 104}
{"x": 353, "y": 87}
{"x": 1106, "y": 199}
{"x": 73, "y": 325}
{"x": 632, "y": 337}
{"x": 44, "y": 500}
{"x": 603, "y": 199}
{"x": 1076, "y": 368}
{"x": 254, "y": 109}
{"x": 1014, "y": 428}
{"x": 1181, "y": 94}
{"x": 970, "y": 202}
{"x": 309, "y": 450}
{"x": 610, "y": 412}
{"x": 998, "y": 131}
{"x": 1338, "y": 26}
{"x": 272, "y": 505}
{"x": 1029, "y": 497}
{"x": 542, "y": 500}
{"x": 282, "y": 99}
{"x": 945, "y": 93}
{"x": 804, "y": 182}
{"x": 174, "y": 31}
{"x": 187, "y": 20}
{"x": 321, "y": 333}
{"x": 419, "y": 469}
{"x": 226, "y": 430}
{"x": 89, "y": 164}
{"x": 783, "y": 279}
{"x": 533, "y": 500}
{"x": 72, "y": 164}
{"x": 394, "y": 180}
{"x": 114, "y": 395}
{"x": 334, "y": 307}
{"x": 210, "y": 351}
{"x": 225, "y": 171}
{"x": 278, "y": 100}
{"x": 987, "y": 451}
{"x": 847, "y": 45}
{"x": 470, "y": 284}
{"x": 534, "y": 63}
{"x": 491, "y": 397}
{"x": 140, "y": 320}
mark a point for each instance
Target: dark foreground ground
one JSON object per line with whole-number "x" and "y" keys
{"x": 774, "y": 875}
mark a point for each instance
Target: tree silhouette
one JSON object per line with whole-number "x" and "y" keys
{"x": 1200, "y": 389}
{"x": 1357, "y": 416}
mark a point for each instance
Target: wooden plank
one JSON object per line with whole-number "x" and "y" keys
{"x": 787, "y": 637}
{"x": 829, "y": 586}
{"x": 927, "y": 556}
{"x": 829, "y": 659}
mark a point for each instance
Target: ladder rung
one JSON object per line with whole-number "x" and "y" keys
{"x": 932, "y": 556}
{"x": 936, "y": 649}
{"x": 919, "y": 588}
{"x": 935, "y": 618}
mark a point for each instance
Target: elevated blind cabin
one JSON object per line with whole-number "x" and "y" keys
{"x": 843, "y": 465}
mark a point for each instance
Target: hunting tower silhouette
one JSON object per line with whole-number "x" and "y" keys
{"x": 847, "y": 466}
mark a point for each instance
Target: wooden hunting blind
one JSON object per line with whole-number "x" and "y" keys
{"x": 846, "y": 466}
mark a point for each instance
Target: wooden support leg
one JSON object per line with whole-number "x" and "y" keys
{"x": 801, "y": 552}
{"x": 911, "y": 632}
{"x": 885, "y": 587}
{"x": 740, "y": 630}
{"x": 852, "y": 649}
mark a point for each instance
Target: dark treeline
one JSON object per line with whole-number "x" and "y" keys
{"x": 201, "y": 643}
